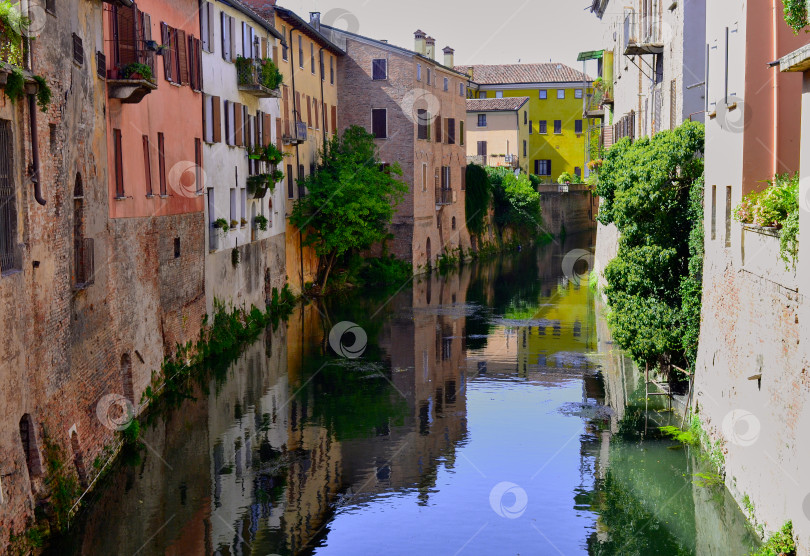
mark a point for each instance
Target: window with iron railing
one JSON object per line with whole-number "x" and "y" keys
{"x": 130, "y": 34}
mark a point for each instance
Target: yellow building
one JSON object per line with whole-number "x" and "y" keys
{"x": 496, "y": 133}
{"x": 553, "y": 115}
{"x": 308, "y": 62}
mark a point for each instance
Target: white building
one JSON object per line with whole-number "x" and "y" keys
{"x": 655, "y": 57}
{"x": 240, "y": 113}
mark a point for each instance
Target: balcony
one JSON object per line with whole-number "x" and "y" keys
{"x": 131, "y": 64}
{"x": 257, "y": 77}
{"x": 478, "y": 159}
{"x": 444, "y": 197}
{"x": 298, "y": 135}
{"x": 642, "y": 33}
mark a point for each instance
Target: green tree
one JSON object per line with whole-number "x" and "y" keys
{"x": 516, "y": 202}
{"x": 350, "y": 201}
{"x": 652, "y": 190}
{"x": 477, "y": 198}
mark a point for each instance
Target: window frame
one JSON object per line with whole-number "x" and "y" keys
{"x": 543, "y": 94}
{"x": 560, "y": 94}
{"x": 373, "y": 132}
{"x": 482, "y": 117}
{"x": 375, "y": 65}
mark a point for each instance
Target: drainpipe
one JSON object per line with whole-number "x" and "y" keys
{"x": 297, "y": 153}
{"x": 323, "y": 112}
{"x": 775, "y": 56}
{"x": 32, "y": 119}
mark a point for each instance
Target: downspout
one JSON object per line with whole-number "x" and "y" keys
{"x": 297, "y": 153}
{"x": 775, "y": 56}
{"x": 32, "y": 119}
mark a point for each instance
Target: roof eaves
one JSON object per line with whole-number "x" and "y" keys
{"x": 294, "y": 19}
{"x": 246, "y": 10}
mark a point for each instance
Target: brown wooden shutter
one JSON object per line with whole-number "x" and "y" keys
{"x": 266, "y": 130}
{"x": 127, "y": 36}
{"x": 147, "y": 164}
{"x": 211, "y": 24}
{"x": 237, "y": 124}
{"x": 264, "y": 47}
{"x": 233, "y": 38}
{"x": 334, "y": 119}
{"x": 309, "y": 112}
{"x": 119, "y": 163}
{"x": 167, "y": 55}
{"x": 162, "y": 163}
{"x": 278, "y": 133}
{"x": 325, "y": 118}
{"x": 217, "y": 116}
{"x": 286, "y": 114}
{"x": 297, "y": 106}
{"x": 182, "y": 56}
{"x": 438, "y": 129}
{"x": 275, "y": 55}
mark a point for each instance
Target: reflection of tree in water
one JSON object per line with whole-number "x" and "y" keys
{"x": 630, "y": 529}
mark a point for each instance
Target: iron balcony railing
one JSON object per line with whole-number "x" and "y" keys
{"x": 297, "y": 135}
{"x": 444, "y": 196}
{"x": 249, "y": 78}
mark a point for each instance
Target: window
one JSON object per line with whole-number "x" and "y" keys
{"x": 714, "y": 212}
{"x": 119, "y": 164}
{"x": 560, "y": 93}
{"x": 482, "y": 120}
{"x": 424, "y": 177}
{"x": 208, "y": 118}
{"x": 461, "y": 89}
{"x": 451, "y": 131}
{"x": 557, "y": 126}
{"x": 498, "y": 94}
{"x": 439, "y": 135}
{"x": 8, "y": 201}
{"x": 446, "y": 178}
{"x": 29, "y": 444}
{"x": 147, "y": 165}
{"x": 207, "y": 26}
{"x": 290, "y": 182}
{"x": 198, "y": 181}
{"x": 578, "y": 172}
{"x": 423, "y": 129}
{"x": 50, "y": 6}
{"x": 227, "y": 39}
{"x": 162, "y": 164}
{"x": 429, "y": 75}
{"x": 301, "y": 176}
{"x": 379, "y": 123}
{"x": 530, "y": 127}
{"x": 542, "y": 127}
{"x": 728, "y": 216}
{"x": 525, "y": 148}
{"x": 177, "y": 248}
{"x": 578, "y": 126}
{"x": 232, "y": 207}
{"x": 419, "y": 72}
{"x": 525, "y": 117}
{"x": 543, "y": 94}
{"x": 482, "y": 149}
{"x": 379, "y": 69}
{"x": 312, "y": 57}
{"x": 542, "y": 167}
{"x": 461, "y": 132}
{"x": 446, "y": 84}
{"x": 78, "y": 50}
{"x": 284, "y": 50}
{"x": 243, "y": 205}
{"x": 322, "y": 66}
{"x": 577, "y": 93}
{"x": 300, "y": 51}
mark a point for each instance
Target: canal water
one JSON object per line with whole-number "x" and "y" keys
{"x": 485, "y": 411}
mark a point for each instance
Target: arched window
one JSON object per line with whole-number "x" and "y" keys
{"x": 126, "y": 377}
{"x": 29, "y": 444}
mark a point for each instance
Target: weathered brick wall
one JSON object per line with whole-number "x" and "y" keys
{"x": 751, "y": 388}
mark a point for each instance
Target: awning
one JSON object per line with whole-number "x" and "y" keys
{"x": 590, "y": 55}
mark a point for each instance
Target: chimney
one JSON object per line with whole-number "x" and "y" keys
{"x": 419, "y": 37}
{"x": 430, "y": 48}
{"x": 448, "y": 56}
{"x": 315, "y": 20}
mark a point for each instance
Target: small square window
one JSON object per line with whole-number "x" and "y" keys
{"x": 543, "y": 94}
{"x": 379, "y": 69}
{"x": 577, "y": 93}
{"x": 446, "y": 84}
{"x": 498, "y": 94}
{"x": 482, "y": 120}
{"x": 561, "y": 93}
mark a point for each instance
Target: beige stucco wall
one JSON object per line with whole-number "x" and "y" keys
{"x": 502, "y": 135}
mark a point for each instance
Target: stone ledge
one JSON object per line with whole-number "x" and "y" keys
{"x": 796, "y": 61}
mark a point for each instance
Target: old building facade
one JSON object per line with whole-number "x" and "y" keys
{"x": 416, "y": 109}
{"x": 495, "y": 132}
{"x": 241, "y": 115}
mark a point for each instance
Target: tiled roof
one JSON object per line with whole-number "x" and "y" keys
{"x": 523, "y": 73}
{"x": 495, "y": 104}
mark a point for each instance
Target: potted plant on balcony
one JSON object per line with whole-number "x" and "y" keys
{"x": 261, "y": 222}
{"x": 222, "y": 225}
{"x": 138, "y": 71}
{"x": 270, "y": 75}
{"x": 259, "y": 184}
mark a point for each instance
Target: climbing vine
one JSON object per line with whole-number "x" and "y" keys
{"x": 796, "y": 14}
{"x": 477, "y": 198}
{"x": 652, "y": 191}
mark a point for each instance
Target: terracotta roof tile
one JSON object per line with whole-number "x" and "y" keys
{"x": 523, "y": 73}
{"x": 495, "y": 104}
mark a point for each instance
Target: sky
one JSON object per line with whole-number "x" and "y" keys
{"x": 491, "y": 32}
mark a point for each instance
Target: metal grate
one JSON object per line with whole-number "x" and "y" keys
{"x": 8, "y": 201}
